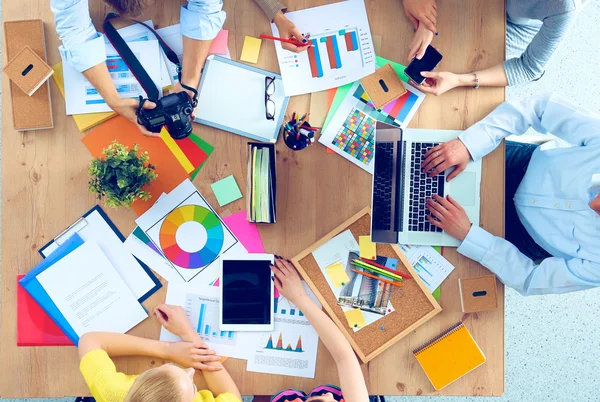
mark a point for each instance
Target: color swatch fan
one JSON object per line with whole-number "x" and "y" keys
{"x": 188, "y": 232}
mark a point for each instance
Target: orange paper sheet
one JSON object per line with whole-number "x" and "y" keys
{"x": 169, "y": 171}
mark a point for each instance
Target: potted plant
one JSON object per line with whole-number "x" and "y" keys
{"x": 121, "y": 175}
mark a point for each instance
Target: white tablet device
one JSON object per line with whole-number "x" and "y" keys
{"x": 247, "y": 293}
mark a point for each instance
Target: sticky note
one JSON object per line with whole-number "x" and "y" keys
{"x": 337, "y": 274}
{"x": 355, "y": 318}
{"x": 251, "y": 49}
{"x": 368, "y": 249}
{"x": 219, "y": 44}
{"x": 226, "y": 190}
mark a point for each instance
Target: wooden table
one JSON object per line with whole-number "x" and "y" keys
{"x": 45, "y": 178}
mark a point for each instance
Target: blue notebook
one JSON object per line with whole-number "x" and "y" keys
{"x": 37, "y": 291}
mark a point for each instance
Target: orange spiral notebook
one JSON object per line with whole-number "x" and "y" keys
{"x": 449, "y": 356}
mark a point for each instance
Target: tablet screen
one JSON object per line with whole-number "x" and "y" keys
{"x": 246, "y": 292}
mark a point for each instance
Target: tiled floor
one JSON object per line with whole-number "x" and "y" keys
{"x": 552, "y": 342}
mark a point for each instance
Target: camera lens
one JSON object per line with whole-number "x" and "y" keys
{"x": 187, "y": 110}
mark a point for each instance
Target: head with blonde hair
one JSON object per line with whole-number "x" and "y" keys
{"x": 166, "y": 383}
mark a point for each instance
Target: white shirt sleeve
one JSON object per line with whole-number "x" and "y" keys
{"x": 202, "y": 19}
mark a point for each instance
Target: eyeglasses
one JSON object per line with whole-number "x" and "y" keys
{"x": 269, "y": 104}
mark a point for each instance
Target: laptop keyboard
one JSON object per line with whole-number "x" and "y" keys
{"x": 422, "y": 187}
{"x": 383, "y": 186}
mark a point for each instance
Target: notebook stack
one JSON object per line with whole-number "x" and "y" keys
{"x": 261, "y": 193}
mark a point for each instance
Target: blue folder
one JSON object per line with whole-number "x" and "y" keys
{"x": 37, "y": 291}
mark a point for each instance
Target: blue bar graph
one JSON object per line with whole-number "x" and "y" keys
{"x": 222, "y": 335}
{"x": 292, "y": 311}
{"x": 354, "y": 39}
{"x": 230, "y": 334}
{"x": 207, "y": 330}
{"x": 336, "y": 52}
{"x": 201, "y": 318}
{"x": 214, "y": 334}
{"x": 283, "y": 311}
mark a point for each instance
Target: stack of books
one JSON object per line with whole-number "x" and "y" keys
{"x": 261, "y": 200}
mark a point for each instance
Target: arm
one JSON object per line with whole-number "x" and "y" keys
{"x": 351, "y": 377}
{"x": 275, "y": 12}
{"x": 531, "y": 64}
{"x": 217, "y": 378}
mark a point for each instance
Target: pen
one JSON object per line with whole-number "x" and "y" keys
{"x": 386, "y": 268}
{"x": 379, "y": 279}
{"x": 376, "y": 270}
{"x": 293, "y": 42}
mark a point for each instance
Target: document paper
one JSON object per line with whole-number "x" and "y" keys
{"x": 90, "y": 294}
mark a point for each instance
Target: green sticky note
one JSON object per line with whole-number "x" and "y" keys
{"x": 226, "y": 190}
{"x": 342, "y": 91}
{"x": 437, "y": 293}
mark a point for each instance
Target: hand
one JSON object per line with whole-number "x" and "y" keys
{"x": 438, "y": 83}
{"x": 287, "y": 30}
{"x": 175, "y": 321}
{"x": 452, "y": 218}
{"x": 419, "y": 43}
{"x": 178, "y": 88}
{"x": 287, "y": 280}
{"x": 444, "y": 156}
{"x": 421, "y": 12}
{"x": 194, "y": 355}
{"x": 127, "y": 107}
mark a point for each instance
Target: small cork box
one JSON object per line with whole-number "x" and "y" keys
{"x": 478, "y": 294}
{"x": 383, "y": 86}
{"x": 28, "y": 71}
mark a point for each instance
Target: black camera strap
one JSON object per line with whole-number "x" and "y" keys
{"x": 133, "y": 63}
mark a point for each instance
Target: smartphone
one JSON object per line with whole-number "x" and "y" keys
{"x": 428, "y": 62}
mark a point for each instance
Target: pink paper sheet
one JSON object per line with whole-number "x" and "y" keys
{"x": 246, "y": 232}
{"x": 219, "y": 44}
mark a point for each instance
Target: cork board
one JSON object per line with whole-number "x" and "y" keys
{"x": 413, "y": 303}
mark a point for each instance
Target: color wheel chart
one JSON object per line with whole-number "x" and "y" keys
{"x": 334, "y": 48}
{"x": 288, "y": 348}
{"x": 203, "y": 313}
{"x": 395, "y": 113}
{"x": 356, "y": 137}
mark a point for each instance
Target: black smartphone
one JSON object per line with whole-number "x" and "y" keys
{"x": 428, "y": 62}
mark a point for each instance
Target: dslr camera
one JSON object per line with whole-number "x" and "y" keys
{"x": 173, "y": 111}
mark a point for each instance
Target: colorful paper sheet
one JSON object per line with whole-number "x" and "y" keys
{"x": 355, "y": 318}
{"x": 86, "y": 121}
{"x": 368, "y": 249}
{"x": 169, "y": 171}
{"x": 205, "y": 147}
{"x": 226, "y": 190}
{"x": 219, "y": 44}
{"x": 246, "y": 232}
{"x": 337, "y": 274}
{"x": 173, "y": 147}
{"x": 251, "y": 50}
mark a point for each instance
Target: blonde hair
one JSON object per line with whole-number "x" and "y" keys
{"x": 155, "y": 386}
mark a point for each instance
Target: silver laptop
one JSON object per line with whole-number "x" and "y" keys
{"x": 401, "y": 189}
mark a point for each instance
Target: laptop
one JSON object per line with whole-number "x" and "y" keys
{"x": 401, "y": 188}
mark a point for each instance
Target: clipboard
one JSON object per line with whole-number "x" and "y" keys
{"x": 231, "y": 97}
{"x": 131, "y": 274}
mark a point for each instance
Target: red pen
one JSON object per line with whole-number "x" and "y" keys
{"x": 385, "y": 268}
{"x": 293, "y": 42}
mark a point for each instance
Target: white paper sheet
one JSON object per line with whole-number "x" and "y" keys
{"x": 317, "y": 70}
{"x": 191, "y": 236}
{"x": 96, "y": 229}
{"x": 337, "y": 250}
{"x": 297, "y": 353}
{"x": 90, "y": 294}
{"x": 431, "y": 266}
{"x": 82, "y": 97}
{"x": 201, "y": 304}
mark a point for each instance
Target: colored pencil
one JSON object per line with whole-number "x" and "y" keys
{"x": 378, "y": 278}
{"x": 386, "y": 268}
{"x": 376, "y": 270}
{"x": 293, "y": 42}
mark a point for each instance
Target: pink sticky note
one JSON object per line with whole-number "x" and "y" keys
{"x": 277, "y": 294}
{"x": 245, "y": 231}
{"x": 219, "y": 44}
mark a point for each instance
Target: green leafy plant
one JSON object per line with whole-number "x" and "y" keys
{"x": 121, "y": 175}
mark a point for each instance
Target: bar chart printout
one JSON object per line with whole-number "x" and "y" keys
{"x": 204, "y": 312}
{"x": 339, "y": 53}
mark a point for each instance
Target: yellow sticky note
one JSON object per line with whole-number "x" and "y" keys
{"x": 368, "y": 249}
{"x": 355, "y": 318}
{"x": 337, "y": 274}
{"x": 251, "y": 49}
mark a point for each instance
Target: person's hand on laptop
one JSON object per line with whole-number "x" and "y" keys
{"x": 287, "y": 280}
{"x": 449, "y": 154}
{"x": 451, "y": 217}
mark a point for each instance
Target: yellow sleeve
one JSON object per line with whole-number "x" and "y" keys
{"x": 101, "y": 376}
{"x": 207, "y": 396}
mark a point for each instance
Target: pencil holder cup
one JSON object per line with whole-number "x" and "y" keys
{"x": 295, "y": 139}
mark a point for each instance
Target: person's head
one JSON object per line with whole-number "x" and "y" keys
{"x": 165, "y": 383}
{"x": 130, "y": 8}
